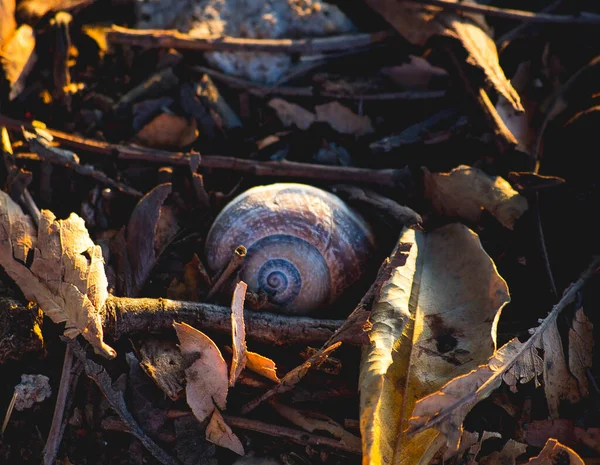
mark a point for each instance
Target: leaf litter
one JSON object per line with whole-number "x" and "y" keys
{"x": 421, "y": 126}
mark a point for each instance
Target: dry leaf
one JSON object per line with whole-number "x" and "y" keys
{"x": 507, "y": 456}
{"x": 205, "y": 371}
{"x": 262, "y": 365}
{"x": 312, "y": 422}
{"x": 417, "y": 74}
{"x": 292, "y": 114}
{"x": 564, "y": 431}
{"x": 343, "y": 120}
{"x": 218, "y": 432}
{"x": 418, "y": 23}
{"x": 474, "y": 446}
{"x": 435, "y": 317}
{"x": 168, "y": 131}
{"x": 553, "y": 453}
{"x": 238, "y": 332}
{"x": 162, "y": 361}
{"x": 559, "y": 384}
{"x": 581, "y": 344}
{"x": 8, "y": 25}
{"x": 465, "y": 191}
{"x": 141, "y": 236}
{"x": 66, "y": 277}
{"x": 17, "y": 58}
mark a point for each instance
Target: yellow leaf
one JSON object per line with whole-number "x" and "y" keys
{"x": 262, "y": 365}
{"x": 435, "y": 318}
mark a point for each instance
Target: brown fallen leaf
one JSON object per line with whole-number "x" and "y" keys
{"x": 343, "y": 119}
{"x": 168, "y": 131}
{"x": 417, "y": 74}
{"x": 507, "y": 456}
{"x": 418, "y": 23}
{"x": 554, "y": 452}
{"x": 218, "y": 432}
{"x": 238, "y": 332}
{"x": 292, "y": 114}
{"x": 162, "y": 361}
{"x": 17, "y": 58}
{"x": 66, "y": 277}
{"x": 435, "y": 317}
{"x": 205, "y": 371}
{"x": 473, "y": 443}
{"x": 465, "y": 191}
{"x": 262, "y": 365}
{"x": 564, "y": 431}
{"x": 581, "y": 344}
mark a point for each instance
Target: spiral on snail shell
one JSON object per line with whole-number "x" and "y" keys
{"x": 305, "y": 246}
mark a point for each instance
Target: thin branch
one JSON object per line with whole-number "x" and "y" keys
{"x": 516, "y": 15}
{"x": 295, "y": 435}
{"x": 174, "y": 39}
{"x": 387, "y": 178}
{"x": 237, "y": 259}
{"x": 264, "y": 91}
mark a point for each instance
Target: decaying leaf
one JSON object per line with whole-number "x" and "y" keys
{"x": 343, "y": 119}
{"x": 465, "y": 191}
{"x": 162, "y": 361}
{"x": 581, "y": 344}
{"x": 554, "y": 452}
{"x": 218, "y": 432}
{"x": 507, "y": 456}
{"x": 564, "y": 431}
{"x": 262, "y": 365}
{"x": 238, "y": 332}
{"x": 66, "y": 277}
{"x": 418, "y": 23}
{"x": 292, "y": 114}
{"x": 17, "y": 58}
{"x": 473, "y": 443}
{"x": 435, "y": 317}
{"x": 205, "y": 371}
{"x": 313, "y": 421}
{"x": 168, "y": 131}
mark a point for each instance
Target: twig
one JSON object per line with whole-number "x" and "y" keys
{"x": 292, "y": 377}
{"x": 568, "y": 296}
{"x": 178, "y": 40}
{"x": 9, "y": 412}
{"x": 234, "y": 263}
{"x": 266, "y": 91}
{"x": 127, "y": 315}
{"x": 517, "y": 15}
{"x": 295, "y": 435}
{"x": 514, "y": 33}
{"x": 115, "y": 398}
{"x": 386, "y": 178}
{"x": 68, "y": 382}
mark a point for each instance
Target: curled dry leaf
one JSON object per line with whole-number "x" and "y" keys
{"x": 435, "y": 317}
{"x": 168, "y": 131}
{"x": 554, "y": 452}
{"x": 66, "y": 277}
{"x": 218, "y": 432}
{"x": 262, "y": 365}
{"x": 581, "y": 344}
{"x": 418, "y": 23}
{"x": 238, "y": 332}
{"x": 205, "y": 371}
{"x": 465, "y": 191}
{"x": 343, "y": 120}
{"x": 292, "y": 114}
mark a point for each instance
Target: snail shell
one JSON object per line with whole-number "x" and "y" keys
{"x": 304, "y": 245}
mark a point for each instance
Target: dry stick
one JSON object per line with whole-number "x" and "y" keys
{"x": 295, "y": 435}
{"x": 175, "y": 39}
{"x": 387, "y": 178}
{"x": 266, "y": 91}
{"x": 68, "y": 382}
{"x": 292, "y": 377}
{"x": 568, "y": 296}
{"x": 125, "y": 315}
{"x": 517, "y": 15}
{"x": 115, "y": 398}
{"x": 234, "y": 263}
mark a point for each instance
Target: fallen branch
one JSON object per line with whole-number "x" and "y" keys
{"x": 263, "y": 91}
{"x": 387, "y": 178}
{"x": 154, "y": 38}
{"x": 517, "y": 15}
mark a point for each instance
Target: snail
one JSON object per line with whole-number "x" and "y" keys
{"x": 305, "y": 246}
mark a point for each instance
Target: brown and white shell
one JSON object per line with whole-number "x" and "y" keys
{"x": 305, "y": 246}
